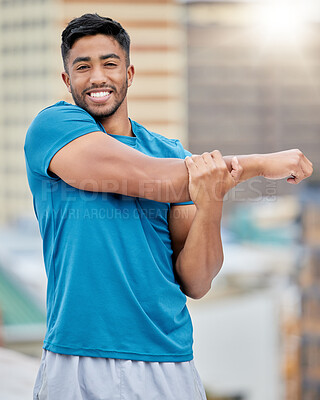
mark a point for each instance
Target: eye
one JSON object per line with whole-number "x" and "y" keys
{"x": 82, "y": 67}
{"x": 110, "y": 64}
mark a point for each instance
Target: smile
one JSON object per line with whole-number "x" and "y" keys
{"x": 99, "y": 94}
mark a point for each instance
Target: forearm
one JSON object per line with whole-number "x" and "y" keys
{"x": 252, "y": 165}
{"x": 290, "y": 164}
{"x": 202, "y": 256}
{"x": 163, "y": 180}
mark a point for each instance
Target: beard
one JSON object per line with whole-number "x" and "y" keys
{"x": 97, "y": 111}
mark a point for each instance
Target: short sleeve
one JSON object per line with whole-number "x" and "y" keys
{"x": 52, "y": 129}
{"x": 183, "y": 154}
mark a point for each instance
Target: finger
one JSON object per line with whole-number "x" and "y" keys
{"x": 303, "y": 168}
{"x": 292, "y": 180}
{"x": 306, "y": 166}
{"x": 191, "y": 166}
{"x": 209, "y": 161}
{"x": 207, "y": 157}
{"x": 199, "y": 161}
{"x": 309, "y": 163}
{"x": 237, "y": 169}
{"x": 218, "y": 159}
{"x": 295, "y": 178}
{"x": 300, "y": 174}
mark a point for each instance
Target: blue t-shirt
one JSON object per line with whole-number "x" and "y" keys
{"x": 111, "y": 285}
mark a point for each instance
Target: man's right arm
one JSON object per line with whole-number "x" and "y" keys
{"x": 98, "y": 162}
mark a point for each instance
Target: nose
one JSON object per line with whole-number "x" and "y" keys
{"x": 97, "y": 76}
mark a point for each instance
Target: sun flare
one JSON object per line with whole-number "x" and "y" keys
{"x": 283, "y": 21}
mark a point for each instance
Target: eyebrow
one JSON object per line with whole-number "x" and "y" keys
{"x": 86, "y": 59}
{"x": 112, "y": 55}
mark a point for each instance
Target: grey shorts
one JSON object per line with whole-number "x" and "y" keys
{"x": 64, "y": 377}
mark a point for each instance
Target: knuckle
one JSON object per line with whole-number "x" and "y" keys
{"x": 222, "y": 167}
{"x": 297, "y": 161}
{"x": 206, "y": 173}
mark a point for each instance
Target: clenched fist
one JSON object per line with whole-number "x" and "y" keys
{"x": 290, "y": 164}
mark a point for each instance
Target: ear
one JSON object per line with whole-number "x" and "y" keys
{"x": 130, "y": 74}
{"x": 66, "y": 80}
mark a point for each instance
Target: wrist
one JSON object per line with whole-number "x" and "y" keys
{"x": 253, "y": 165}
{"x": 260, "y": 161}
{"x": 211, "y": 212}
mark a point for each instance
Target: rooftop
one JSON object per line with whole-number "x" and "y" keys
{"x": 17, "y": 375}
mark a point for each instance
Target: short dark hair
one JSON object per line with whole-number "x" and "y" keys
{"x": 93, "y": 24}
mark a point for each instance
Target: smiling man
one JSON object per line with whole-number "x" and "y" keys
{"x": 99, "y": 102}
{"x": 130, "y": 223}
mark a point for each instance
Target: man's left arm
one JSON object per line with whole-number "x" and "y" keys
{"x": 195, "y": 229}
{"x": 197, "y": 249}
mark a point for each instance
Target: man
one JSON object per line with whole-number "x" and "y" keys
{"x": 123, "y": 245}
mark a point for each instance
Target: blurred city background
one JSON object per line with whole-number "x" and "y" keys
{"x": 238, "y": 76}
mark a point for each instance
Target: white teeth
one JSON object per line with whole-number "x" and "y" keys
{"x": 99, "y": 94}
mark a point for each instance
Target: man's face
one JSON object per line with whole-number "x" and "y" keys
{"x": 98, "y": 77}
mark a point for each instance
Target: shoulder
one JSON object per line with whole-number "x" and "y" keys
{"x": 58, "y": 119}
{"x": 156, "y": 140}
{"x": 62, "y": 111}
{"x": 53, "y": 128}
{"x": 58, "y": 124}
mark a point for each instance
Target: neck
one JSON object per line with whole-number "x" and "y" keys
{"x": 118, "y": 123}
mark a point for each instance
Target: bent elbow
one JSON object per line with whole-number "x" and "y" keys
{"x": 197, "y": 294}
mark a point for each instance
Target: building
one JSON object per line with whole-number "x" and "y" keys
{"x": 28, "y": 65}
{"x": 31, "y": 66}
{"x": 253, "y": 79}
{"x": 309, "y": 280}
{"x": 205, "y": 73}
